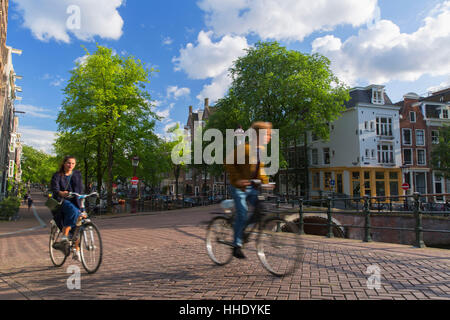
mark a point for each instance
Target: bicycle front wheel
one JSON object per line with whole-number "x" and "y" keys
{"x": 57, "y": 253}
{"x": 279, "y": 247}
{"x": 219, "y": 240}
{"x": 91, "y": 249}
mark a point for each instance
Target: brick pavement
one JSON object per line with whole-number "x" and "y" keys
{"x": 162, "y": 256}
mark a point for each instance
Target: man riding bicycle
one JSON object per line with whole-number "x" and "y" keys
{"x": 241, "y": 188}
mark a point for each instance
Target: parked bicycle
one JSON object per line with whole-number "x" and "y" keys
{"x": 279, "y": 246}
{"x": 90, "y": 241}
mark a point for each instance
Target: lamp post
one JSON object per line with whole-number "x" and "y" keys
{"x": 134, "y": 189}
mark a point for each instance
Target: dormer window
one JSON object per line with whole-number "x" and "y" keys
{"x": 377, "y": 96}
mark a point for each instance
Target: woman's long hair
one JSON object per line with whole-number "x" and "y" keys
{"x": 61, "y": 168}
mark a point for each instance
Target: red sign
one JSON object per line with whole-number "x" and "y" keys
{"x": 405, "y": 186}
{"x": 134, "y": 181}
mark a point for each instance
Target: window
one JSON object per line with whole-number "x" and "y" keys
{"x": 393, "y": 184}
{"x": 385, "y": 154}
{"x": 407, "y": 137}
{"x": 435, "y": 137}
{"x": 314, "y": 137}
{"x": 373, "y": 153}
{"x": 367, "y": 153}
{"x": 412, "y": 116}
{"x": 407, "y": 157}
{"x": 356, "y": 184}
{"x": 384, "y": 126}
{"x": 380, "y": 184}
{"x": 438, "y": 187}
{"x": 366, "y": 125}
{"x": 445, "y": 113}
{"x": 326, "y": 155}
{"x": 420, "y": 137}
{"x": 377, "y": 96}
{"x": 315, "y": 156}
{"x": 316, "y": 180}
{"x": 421, "y": 160}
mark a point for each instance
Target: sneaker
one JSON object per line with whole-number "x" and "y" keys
{"x": 237, "y": 253}
{"x": 76, "y": 255}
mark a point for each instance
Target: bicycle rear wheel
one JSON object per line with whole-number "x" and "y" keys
{"x": 91, "y": 248}
{"x": 57, "y": 255}
{"x": 279, "y": 247}
{"x": 219, "y": 240}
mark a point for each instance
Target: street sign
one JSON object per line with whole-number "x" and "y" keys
{"x": 405, "y": 186}
{"x": 332, "y": 183}
{"x": 135, "y": 181}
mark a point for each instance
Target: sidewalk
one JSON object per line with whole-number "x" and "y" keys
{"x": 27, "y": 219}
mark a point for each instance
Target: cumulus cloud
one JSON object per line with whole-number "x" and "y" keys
{"x": 42, "y": 140}
{"x": 175, "y": 92}
{"x": 208, "y": 59}
{"x": 85, "y": 19}
{"x": 285, "y": 19}
{"x": 211, "y": 60}
{"x": 382, "y": 53}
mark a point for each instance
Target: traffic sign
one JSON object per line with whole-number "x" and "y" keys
{"x": 134, "y": 181}
{"x": 332, "y": 183}
{"x": 405, "y": 186}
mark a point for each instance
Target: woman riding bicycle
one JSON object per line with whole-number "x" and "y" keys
{"x": 64, "y": 181}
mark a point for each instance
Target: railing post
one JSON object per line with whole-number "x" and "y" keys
{"x": 418, "y": 216}
{"x": 367, "y": 237}
{"x": 330, "y": 220}
{"x": 301, "y": 229}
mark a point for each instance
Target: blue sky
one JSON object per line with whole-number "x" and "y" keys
{"x": 402, "y": 44}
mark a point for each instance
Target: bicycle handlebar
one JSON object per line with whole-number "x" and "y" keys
{"x": 82, "y": 196}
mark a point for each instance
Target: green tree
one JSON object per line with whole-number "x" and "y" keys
{"x": 37, "y": 166}
{"x": 108, "y": 103}
{"x": 440, "y": 155}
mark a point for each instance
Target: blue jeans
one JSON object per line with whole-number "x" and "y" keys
{"x": 240, "y": 202}
{"x": 70, "y": 214}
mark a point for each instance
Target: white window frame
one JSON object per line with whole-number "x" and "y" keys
{"x": 424, "y": 157}
{"x": 383, "y": 129}
{"x": 329, "y": 156}
{"x": 410, "y": 137}
{"x": 411, "y": 118}
{"x": 444, "y": 110}
{"x": 404, "y": 158}
{"x": 387, "y": 154}
{"x": 437, "y": 180}
{"x": 316, "y": 152}
{"x": 377, "y": 96}
{"x": 434, "y": 141}
{"x": 417, "y": 140}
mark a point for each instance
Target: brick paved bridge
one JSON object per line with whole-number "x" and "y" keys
{"x": 162, "y": 256}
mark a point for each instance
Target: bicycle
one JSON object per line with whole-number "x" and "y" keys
{"x": 90, "y": 241}
{"x": 278, "y": 244}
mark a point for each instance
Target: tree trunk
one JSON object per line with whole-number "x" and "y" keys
{"x": 99, "y": 167}
{"x": 306, "y": 166}
{"x": 110, "y": 177}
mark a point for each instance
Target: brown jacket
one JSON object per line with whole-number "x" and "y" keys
{"x": 245, "y": 171}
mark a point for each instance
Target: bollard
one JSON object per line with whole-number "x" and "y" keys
{"x": 367, "y": 237}
{"x": 418, "y": 216}
{"x": 330, "y": 220}
{"x": 300, "y": 218}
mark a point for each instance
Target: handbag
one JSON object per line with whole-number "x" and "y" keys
{"x": 53, "y": 204}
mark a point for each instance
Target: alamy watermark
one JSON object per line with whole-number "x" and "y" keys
{"x": 374, "y": 281}
{"x": 74, "y": 280}
{"x": 213, "y": 152}
{"x": 73, "y": 22}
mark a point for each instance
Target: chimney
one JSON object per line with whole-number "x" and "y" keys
{"x": 206, "y": 103}
{"x": 190, "y": 109}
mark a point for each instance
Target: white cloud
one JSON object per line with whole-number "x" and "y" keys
{"x": 285, "y": 19}
{"x": 211, "y": 60}
{"x": 39, "y": 139}
{"x": 217, "y": 89}
{"x": 36, "y": 112}
{"x": 167, "y": 41}
{"x": 175, "y": 92}
{"x": 382, "y": 53}
{"x": 165, "y": 113}
{"x": 53, "y": 19}
{"x": 208, "y": 59}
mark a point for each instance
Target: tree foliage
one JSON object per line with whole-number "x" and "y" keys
{"x": 37, "y": 166}
{"x": 440, "y": 155}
